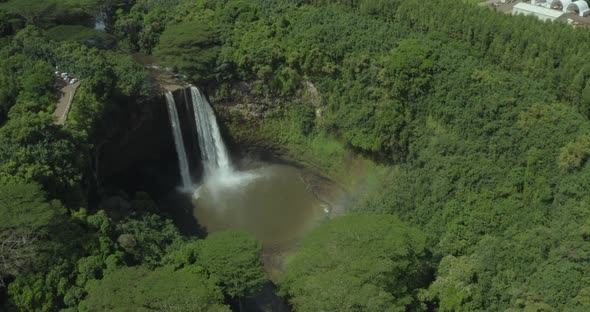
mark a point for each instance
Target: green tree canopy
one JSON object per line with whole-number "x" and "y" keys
{"x": 192, "y": 47}
{"x": 356, "y": 263}
{"x": 33, "y": 149}
{"x": 229, "y": 258}
{"x": 148, "y": 238}
{"x": 232, "y": 259}
{"x": 26, "y": 218}
{"x": 139, "y": 289}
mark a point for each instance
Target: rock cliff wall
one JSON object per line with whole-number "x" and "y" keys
{"x": 135, "y": 144}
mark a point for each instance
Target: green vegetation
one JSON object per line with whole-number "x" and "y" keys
{"x": 356, "y": 262}
{"x": 163, "y": 289}
{"x": 48, "y": 12}
{"x": 232, "y": 259}
{"x": 80, "y": 34}
{"x": 190, "y": 46}
{"x": 465, "y": 144}
{"x": 27, "y": 218}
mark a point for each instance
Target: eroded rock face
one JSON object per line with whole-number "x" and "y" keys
{"x": 242, "y": 105}
{"x": 136, "y": 152}
{"x": 135, "y": 142}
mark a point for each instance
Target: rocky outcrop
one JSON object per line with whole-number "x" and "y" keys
{"x": 240, "y": 104}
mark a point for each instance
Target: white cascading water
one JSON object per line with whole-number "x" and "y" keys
{"x": 271, "y": 202}
{"x": 178, "y": 141}
{"x": 220, "y": 176}
{"x": 213, "y": 151}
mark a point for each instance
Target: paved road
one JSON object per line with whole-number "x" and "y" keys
{"x": 65, "y": 103}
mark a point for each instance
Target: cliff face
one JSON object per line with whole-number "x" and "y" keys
{"x": 135, "y": 146}
{"x": 241, "y": 103}
{"x": 136, "y": 139}
{"x": 245, "y": 116}
{"x": 136, "y": 151}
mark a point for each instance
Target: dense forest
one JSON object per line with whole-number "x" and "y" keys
{"x": 472, "y": 126}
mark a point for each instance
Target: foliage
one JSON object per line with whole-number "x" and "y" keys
{"x": 232, "y": 260}
{"x": 163, "y": 289}
{"x": 142, "y": 26}
{"x": 575, "y": 154}
{"x": 44, "y": 13}
{"x": 190, "y": 47}
{"x": 27, "y": 217}
{"x": 81, "y": 34}
{"x": 32, "y": 148}
{"x": 151, "y": 236}
{"x": 356, "y": 262}
{"x": 24, "y": 205}
{"x": 407, "y": 69}
{"x": 26, "y": 81}
{"x": 65, "y": 280}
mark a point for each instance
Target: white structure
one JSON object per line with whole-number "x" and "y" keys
{"x": 541, "y": 13}
{"x": 580, "y": 7}
{"x": 560, "y": 5}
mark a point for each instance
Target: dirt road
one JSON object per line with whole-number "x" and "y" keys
{"x": 65, "y": 103}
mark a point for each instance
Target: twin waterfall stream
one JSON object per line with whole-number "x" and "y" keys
{"x": 213, "y": 150}
{"x": 178, "y": 141}
{"x": 271, "y": 201}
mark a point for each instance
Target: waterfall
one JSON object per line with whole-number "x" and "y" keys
{"x": 220, "y": 176}
{"x": 213, "y": 151}
{"x": 178, "y": 142}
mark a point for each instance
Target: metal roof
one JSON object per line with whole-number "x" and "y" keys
{"x": 537, "y": 10}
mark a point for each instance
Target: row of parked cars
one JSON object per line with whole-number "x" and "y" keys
{"x": 66, "y": 77}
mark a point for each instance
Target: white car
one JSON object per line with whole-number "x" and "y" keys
{"x": 74, "y": 80}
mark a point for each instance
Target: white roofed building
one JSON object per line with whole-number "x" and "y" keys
{"x": 580, "y": 7}
{"x": 542, "y": 13}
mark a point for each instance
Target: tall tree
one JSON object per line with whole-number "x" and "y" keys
{"x": 26, "y": 218}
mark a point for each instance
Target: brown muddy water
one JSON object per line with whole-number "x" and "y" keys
{"x": 272, "y": 202}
